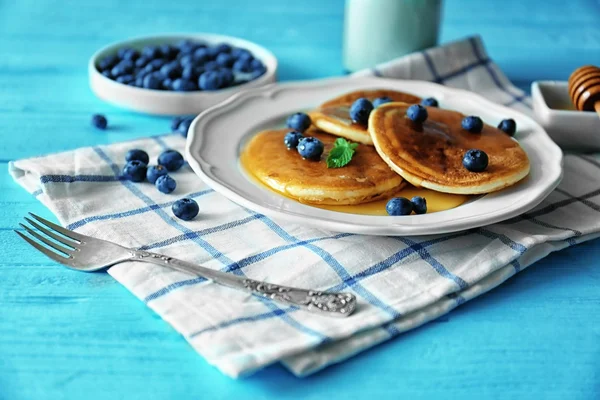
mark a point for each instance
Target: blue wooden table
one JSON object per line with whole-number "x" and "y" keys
{"x": 70, "y": 335}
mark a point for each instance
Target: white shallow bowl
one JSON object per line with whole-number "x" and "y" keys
{"x": 569, "y": 128}
{"x": 217, "y": 136}
{"x": 162, "y": 102}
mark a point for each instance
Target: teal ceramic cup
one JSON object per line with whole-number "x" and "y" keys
{"x": 376, "y": 31}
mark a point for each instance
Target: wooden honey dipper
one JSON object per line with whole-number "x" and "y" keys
{"x": 584, "y": 88}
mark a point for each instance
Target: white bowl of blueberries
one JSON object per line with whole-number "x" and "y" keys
{"x": 178, "y": 74}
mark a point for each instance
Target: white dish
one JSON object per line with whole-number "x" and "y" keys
{"x": 218, "y": 134}
{"x": 162, "y": 102}
{"x": 569, "y": 128}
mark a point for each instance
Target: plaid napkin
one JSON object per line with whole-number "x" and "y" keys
{"x": 400, "y": 282}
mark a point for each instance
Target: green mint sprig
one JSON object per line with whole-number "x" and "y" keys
{"x": 341, "y": 153}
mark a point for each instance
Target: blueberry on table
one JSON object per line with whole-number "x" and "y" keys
{"x": 137, "y": 154}
{"x": 242, "y": 65}
{"x": 135, "y": 171}
{"x": 184, "y": 126}
{"x": 360, "y": 111}
{"x": 99, "y": 121}
{"x": 185, "y": 209}
{"x": 419, "y": 204}
{"x": 165, "y": 184}
{"x": 381, "y": 100}
{"x": 399, "y": 206}
{"x": 291, "y": 139}
{"x": 210, "y": 80}
{"x": 108, "y": 62}
{"x": 430, "y": 102}
{"x": 225, "y": 60}
{"x": 475, "y": 160}
{"x": 184, "y": 85}
{"x": 310, "y": 148}
{"x": 472, "y": 124}
{"x": 171, "y": 160}
{"x": 152, "y": 82}
{"x": 508, "y": 126}
{"x": 417, "y": 113}
{"x": 154, "y": 172}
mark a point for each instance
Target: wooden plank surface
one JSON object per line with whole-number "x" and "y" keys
{"x": 68, "y": 335}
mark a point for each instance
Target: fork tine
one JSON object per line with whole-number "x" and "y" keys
{"x": 60, "y": 229}
{"x": 42, "y": 249}
{"x": 58, "y": 238}
{"x": 50, "y": 243}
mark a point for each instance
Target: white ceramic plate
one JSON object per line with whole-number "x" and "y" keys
{"x": 218, "y": 134}
{"x": 163, "y": 102}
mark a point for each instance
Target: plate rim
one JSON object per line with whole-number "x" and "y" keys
{"x": 392, "y": 229}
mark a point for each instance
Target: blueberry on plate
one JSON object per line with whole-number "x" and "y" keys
{"x": 417, "y": 113}
{"x": 137, "y": 154}
{"x": 430, "y": 102}
{"x": 154, "y": 172}
{"x": 508, "y": 126}
{"x": 171, "y": 159}
{"x": 184, "y": 85}
{"x": 184, "y": 126}
{"x": 135, "y": 171}
{"x": 165, "y": 184}
{"x": 310, "y": 148}
{"x": 399, "y": 206}
{"x": 108, "y": 62}
{"x": 419, "y": 204}
{"x": 185, "y": 209}
{"x": 298, "y": 122}
{"x": 210, "y": 80}
{"x": 381, "y": 100}
{"x": 360, "y": 111}
{"x": 151, "y": 81}
{"x": 291, "y": 139}
{"x": 472, "y": 124}
{"x": 225, "y": 60}
{"x": 242, "y": 65}
{"x": 99, "y": 121}
{"x": 475, "y": 160}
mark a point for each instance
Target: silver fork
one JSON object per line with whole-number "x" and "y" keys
{"x": 85, "y": 253}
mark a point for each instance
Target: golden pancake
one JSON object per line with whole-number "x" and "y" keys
{"x": 366, "y": 178}
{"x": 430, "y": 155}
{"x": 333, "y": 115}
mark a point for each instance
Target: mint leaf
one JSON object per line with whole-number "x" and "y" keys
{"x": 341, "y": 153}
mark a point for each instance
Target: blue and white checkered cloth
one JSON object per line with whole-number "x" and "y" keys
{"x": 401, "y": 282}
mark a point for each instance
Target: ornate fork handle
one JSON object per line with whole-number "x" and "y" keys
{"x": 325, "y": 303}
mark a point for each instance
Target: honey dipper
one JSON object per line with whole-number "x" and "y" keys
{"x": 584, "y": 88}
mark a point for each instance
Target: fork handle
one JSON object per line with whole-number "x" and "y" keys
{"x": 340, "y": 304}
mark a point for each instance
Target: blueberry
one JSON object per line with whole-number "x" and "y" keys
{"x": 131, "y": 55}
{"x": 291, "y": 139}
{"x": 184, "y": 85}
{"x": 184, "y": 126}
{"x": 310, "y": 148}
{"x": 175, "y": 123}
{"x": 107, "y": 73}
{"x": 171, "y": 160}
{"x": 360, "y": 111}
{"x": 381, "y": 100}
{"x": 187, "y": 46}
{"x": 298, "y": 122}
{"x": 225, "y": 60}
{"x": 123, "y": 51}
{"x": 211, "y": 66}
{"x": 165, "y": 184}
{"x": 399, "y": 206}
{"x": 430, "y": 102}
{"x": 472, "y": 124}
{"x": 171, "y": 70}
{"x": 189, "y": 73}
{"x": 185, "y": 209}
{"x": 419, "y": 204}
{"x": 167, "y": 84}
{"x": 186, "y": 60}
{"x": 210, "y": 80}
{"x": 241, "y": 54}
{"x": 227, "y": 77}
{"x": 475, "y": 160}
{"x": 135, "y": 171}
{"x": 125, "y": 79}
{"x": 256, "y": 64}
{"x": 508, "y": 126}
{"x": 108, "y": 62}
{"x": 137, "y": 154}
{"x": 242, "y": 65}
{"x": 99, "y": 121}
{"x": 154, "y": 172}
{"x": 139, "y": 81}
{"x": 150, "y": 52}
{"x": 122, "y": 68}
{"x": 157, "y": 64}
{"x": 152, "y": 82}
{"x": 167, "y": 51}
{"x": 417, "y": 113}
{"x": 201, "y": 56}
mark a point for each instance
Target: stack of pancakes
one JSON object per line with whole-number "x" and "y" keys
{"x": 393, "y": 150}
